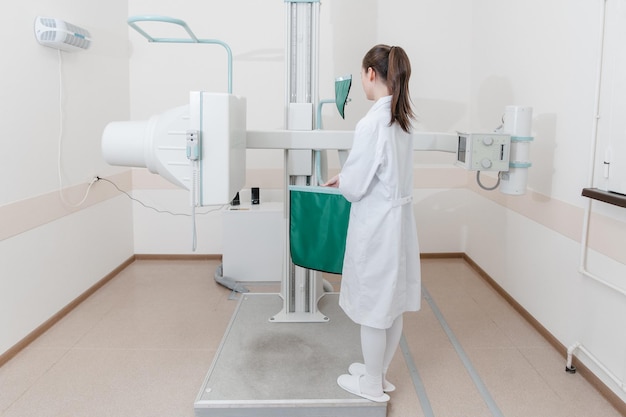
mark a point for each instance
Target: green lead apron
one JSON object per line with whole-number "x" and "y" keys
{"x": 318, "y": 224}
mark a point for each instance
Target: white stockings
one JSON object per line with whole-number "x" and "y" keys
{"x": 379, "y": 346}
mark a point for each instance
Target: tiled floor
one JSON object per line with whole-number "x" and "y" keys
{"x": 142, "y": 345}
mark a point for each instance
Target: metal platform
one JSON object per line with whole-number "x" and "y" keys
{"x": 265, "y": 369}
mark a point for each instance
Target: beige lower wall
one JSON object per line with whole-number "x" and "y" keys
{"x": 33, "y": 212}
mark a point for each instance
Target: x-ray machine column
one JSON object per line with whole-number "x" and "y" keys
{"x": 301, "y": 288}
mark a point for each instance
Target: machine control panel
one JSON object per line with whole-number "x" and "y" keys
{"x": 483, "y": 151}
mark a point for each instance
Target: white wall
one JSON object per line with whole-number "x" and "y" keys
{"x": 95, "y": 83}
{"x": 50, "y": 252}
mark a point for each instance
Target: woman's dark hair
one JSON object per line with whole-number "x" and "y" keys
{"x": 393, "y": 65}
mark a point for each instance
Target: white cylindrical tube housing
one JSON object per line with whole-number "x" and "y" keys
{"x": 518, "y": 120}
{"x": 518, "y": 124}
{"x": 123, "y": 143}
{"x": 158, "y": 144}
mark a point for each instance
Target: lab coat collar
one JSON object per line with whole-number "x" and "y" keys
{"x": 381, "y": 102}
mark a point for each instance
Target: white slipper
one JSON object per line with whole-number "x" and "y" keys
{"x": 351, "y": 383}
{"x": 359, "y": 369}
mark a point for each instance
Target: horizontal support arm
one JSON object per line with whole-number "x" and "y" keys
{"x": 339, "y": 139}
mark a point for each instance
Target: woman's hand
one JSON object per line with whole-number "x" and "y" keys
{"x": 333, "y": 182}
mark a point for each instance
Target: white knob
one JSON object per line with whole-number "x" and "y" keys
{"x": 485, "y": 162}
{"x": 488, "y": 141}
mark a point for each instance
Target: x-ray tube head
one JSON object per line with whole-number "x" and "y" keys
{"x": 160, "y": 145}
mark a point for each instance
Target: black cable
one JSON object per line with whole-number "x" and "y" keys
{"x": 154, "y": 208}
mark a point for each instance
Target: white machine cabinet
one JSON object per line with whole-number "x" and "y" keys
{"x": 254, "y": 242}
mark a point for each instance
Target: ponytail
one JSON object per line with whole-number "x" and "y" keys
{"x": 393, "y": 65}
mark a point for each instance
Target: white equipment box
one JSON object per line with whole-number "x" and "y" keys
{"x": 254, "y": 242}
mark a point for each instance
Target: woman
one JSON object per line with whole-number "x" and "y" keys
{"x": 381, "y": 272}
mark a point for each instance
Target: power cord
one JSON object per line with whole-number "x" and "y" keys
{"x": 154, "y": 208}
{"x": 60, "y": 143}
{"x": 480, "y": 184}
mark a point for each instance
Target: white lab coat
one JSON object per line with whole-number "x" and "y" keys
{"x": 381, "y": 271}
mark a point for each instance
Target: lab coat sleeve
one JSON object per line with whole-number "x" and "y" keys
{"x": 362, "y": 164}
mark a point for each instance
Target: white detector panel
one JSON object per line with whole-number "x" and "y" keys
{"x": 221, "y": 119}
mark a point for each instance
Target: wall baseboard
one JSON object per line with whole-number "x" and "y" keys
{"x": 442, "y": 255}
{"x": 178, "y": 257}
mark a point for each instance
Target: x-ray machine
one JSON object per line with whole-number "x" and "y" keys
{"x": 202, "y": 147}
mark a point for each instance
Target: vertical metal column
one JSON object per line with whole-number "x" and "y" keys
{"x": 301, "y": 288}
